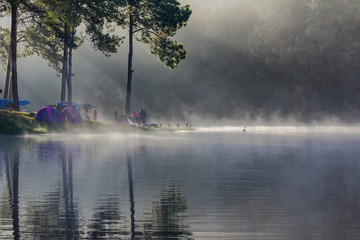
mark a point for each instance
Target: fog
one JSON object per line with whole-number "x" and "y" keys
{"x": 246, "y": 62}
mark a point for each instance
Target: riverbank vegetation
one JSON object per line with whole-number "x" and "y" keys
{"x": 17, "y": 123}
{"x": 20, "y": 123}
{"x": 13, "y": 122}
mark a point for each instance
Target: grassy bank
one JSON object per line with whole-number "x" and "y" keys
{"x": 12, "y": 122}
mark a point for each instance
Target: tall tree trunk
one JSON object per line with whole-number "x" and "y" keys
{"x": 65, "y": 63}
{"x": 10, "y": 96}
{"x": 69, "y": 82}
{"x": 13, "y": 50}
{"x": 130, "y": 71}
{"x": 7, "y": 82}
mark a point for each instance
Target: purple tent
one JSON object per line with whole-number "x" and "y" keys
{"x": 48, "y": 114}
{"x": 72, "y": 114}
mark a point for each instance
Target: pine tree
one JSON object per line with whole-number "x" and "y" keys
{"x": 153, "y": 22}
{"x": 64, "y": 17}
{"x": 28, "y": 13}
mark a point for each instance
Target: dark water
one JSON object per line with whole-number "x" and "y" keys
{"x": 207, "y": 184}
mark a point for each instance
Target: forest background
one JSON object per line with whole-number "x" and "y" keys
{"x": 249, "y": 60}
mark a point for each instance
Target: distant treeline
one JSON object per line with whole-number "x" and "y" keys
{"x": 285, "y": 58}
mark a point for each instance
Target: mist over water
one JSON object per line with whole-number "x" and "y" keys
{"x": 284, "y": 130}
{"x": 212, "y": 183}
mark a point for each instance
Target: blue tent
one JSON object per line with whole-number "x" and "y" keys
{"x": 65, "y": 104}
{"x": 23, "y": 102}
{"x": 4, "y": 102}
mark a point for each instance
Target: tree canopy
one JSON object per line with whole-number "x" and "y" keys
{"x": 65, "y": 17}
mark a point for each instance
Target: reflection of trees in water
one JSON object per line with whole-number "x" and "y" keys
{"x": 131, "y": 194}
{"x": 107, "y": 221}
{"x": 67, "y": 173}
{"x": 44, "y": 219}
{"x": 168, "y": 218}
{"x": 2, "y": 156}
{"x": 55, "y": 216}
{"x": 167, "y": 215}
{"x": 11, "y": 210}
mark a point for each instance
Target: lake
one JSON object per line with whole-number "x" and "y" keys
{"x": 276, "y": 183}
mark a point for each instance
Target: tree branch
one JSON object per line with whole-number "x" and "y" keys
{"x": 141, "y": 29}
{"x": 20, "y": 39}
{"x": 137, "y": 30}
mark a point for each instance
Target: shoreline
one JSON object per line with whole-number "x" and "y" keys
{"x": 21, "y": 123}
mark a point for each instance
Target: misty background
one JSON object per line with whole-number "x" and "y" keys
{"x": 246, "y": 60}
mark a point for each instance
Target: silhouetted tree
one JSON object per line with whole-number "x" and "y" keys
{"x": 25, "y": 17}
{"x": 153, "y": 22}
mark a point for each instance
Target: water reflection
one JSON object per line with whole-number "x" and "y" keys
{"x": 49, "y": 201}
{"x": 180, "y": 186}
{"x": 53, "y": 214}
{"x": 11, "y": 209}
{"x": 168, "y": 215}
{"x": 107, "y": 221}
{"x": 71, "y": 223}
{"x": 131, "y": 194}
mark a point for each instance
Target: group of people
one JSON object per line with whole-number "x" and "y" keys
{"x": 94, "y": 114}
{"x": 136, "y": 117}
{"x": 139, "y": 117}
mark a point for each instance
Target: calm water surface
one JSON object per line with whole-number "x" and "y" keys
{"x": 209, "y": 184}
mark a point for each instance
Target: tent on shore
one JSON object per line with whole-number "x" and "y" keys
{"x": 71, "y": 114}
{"x": 62, "y": 105}
{"x": 4, "y": 102}
{"x": 48, "y": 114}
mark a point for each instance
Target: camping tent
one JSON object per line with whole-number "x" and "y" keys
{"x": 23, "y": 102}
{"x": 48, "y": 114}
{"x": 71, "y": 113}
{"x": 4, "y": 102}
{"x": 61, "y": 106}
{"x": 86, "y": 106}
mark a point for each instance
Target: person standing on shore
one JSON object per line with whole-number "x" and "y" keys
{"x": 116, "y": 114}
{"x": 142, "y": 118}
{"x": 95, "y": 114}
